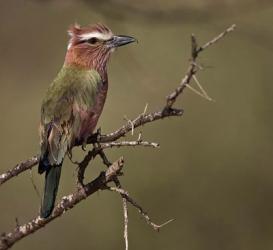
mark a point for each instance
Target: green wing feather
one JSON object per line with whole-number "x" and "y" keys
{"x": 59, "y": 123}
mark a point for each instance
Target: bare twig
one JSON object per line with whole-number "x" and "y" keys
{"x": 99, "y": 150}
{"x": 130, "y": 143}
{"x": 125, "y": 195}
{"x": 217, "y": 38}
{"x": 83, "y": 165}
{"x": 125, "y": 214}
{"x": 193, "y": 68}
{"x": 104, "y": 159}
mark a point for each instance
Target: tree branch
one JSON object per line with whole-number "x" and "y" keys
{"x": 193, "y": 65}
{"x": 18, "y": 169}
{"x": 137, "y": 122}
{"x": 66, "y": 203}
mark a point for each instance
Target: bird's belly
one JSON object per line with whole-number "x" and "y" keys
{"x": 89, "y": 121}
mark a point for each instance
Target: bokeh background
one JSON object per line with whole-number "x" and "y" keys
{"x": 213, "y": 172}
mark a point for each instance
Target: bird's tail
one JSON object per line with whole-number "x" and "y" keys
{"x": 52, "y": 178}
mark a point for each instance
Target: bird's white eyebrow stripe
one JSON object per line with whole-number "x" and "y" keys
{"x": 98, "y": 35}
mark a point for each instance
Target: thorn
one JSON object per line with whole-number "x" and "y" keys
{"x": 202, "y": 89}
{"x": 139, "y": 137}
{"x": 145, "y": 109}
{"x": 165, "y": 223}
{"x": 17, "y": 222}
{"x": 194, "y": 90}
{"x": 131, "y": 123}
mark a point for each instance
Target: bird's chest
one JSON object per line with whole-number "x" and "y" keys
{"x": 88, "y": 112}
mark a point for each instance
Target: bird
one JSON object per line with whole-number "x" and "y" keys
{"x": 74, "y": 101}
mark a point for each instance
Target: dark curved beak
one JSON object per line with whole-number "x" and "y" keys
{"x": 121, "y": 40}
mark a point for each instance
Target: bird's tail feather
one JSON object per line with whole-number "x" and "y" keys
{"x": 52, "y": 178}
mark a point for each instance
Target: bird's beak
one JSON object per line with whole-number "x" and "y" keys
{"x": 120, "y": 40}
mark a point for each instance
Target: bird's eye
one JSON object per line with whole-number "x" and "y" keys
{"x": 93, "y": 40}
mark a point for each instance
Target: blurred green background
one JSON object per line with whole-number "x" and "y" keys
{"x": 213, "y": 172}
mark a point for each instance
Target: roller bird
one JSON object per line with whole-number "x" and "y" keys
{"x": 74, "y": 101}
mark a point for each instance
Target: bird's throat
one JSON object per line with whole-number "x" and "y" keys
{"x": 85, "y": 59}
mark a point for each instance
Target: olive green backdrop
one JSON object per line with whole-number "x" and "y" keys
{"x": 213, "y": 172}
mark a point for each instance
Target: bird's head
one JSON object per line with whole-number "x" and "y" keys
{"x": 91, "y": 46}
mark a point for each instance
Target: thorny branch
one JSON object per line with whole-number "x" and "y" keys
{"x": 193, "y": 68}
{"x": 101, "y": 142}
